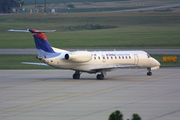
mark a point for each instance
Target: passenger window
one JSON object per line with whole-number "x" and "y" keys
{"x": 122, "y": 57}
{"x": 111, "y": 57}
{"x": 115, "y": 57}
{"x": 107, "y": 57}
{"x": 126, "y": 57}
{"x": 119, "y": 57}
{"x": 95, "y": 58}
{"x": 99, "y": 57}
{"x": 129, "y": 57}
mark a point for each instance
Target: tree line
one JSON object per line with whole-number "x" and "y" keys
{"x": 7, "y": 5}
{"x": 117, "y": 115}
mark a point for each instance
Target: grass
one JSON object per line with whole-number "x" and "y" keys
{"x": 159, "y": 57}
{"x": 14, "y": 62}
{"x": 128, "y": 37}
{"x": 134, "y": 30}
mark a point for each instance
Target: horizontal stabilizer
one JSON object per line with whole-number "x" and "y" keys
{"x": 31, "y": 63}
{"x": 35, "y": 31}
{"x": 18, "y": 30}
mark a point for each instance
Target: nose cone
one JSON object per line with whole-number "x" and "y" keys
{"x": 155, "y": 62}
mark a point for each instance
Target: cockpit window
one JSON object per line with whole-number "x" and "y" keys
{"x": 148, "y": 56}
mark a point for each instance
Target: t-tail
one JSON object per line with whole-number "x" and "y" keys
{"x": 43, "y": 47}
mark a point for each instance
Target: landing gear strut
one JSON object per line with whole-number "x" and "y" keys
{"x": 149, "y": 73}
{"x": 76, "y": 75}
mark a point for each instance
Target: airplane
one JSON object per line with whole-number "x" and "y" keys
{"x": 88, "y": 61}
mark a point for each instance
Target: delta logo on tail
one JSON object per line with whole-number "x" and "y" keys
{"x": 93, "y": 62}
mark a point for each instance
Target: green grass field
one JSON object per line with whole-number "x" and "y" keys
{"x": 134, "y": 30}
{"x": 14, "y": 62}
{"x": 159, "y": 57}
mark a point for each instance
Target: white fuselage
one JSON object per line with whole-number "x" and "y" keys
{"x": 103, "y": 59}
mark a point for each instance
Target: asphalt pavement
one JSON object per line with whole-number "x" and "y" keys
{"x": 54, "y": 95}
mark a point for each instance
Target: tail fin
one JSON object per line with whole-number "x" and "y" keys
{"x": 43, "y": 47}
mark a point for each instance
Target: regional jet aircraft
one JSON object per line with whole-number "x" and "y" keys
{"x": 87, "y": 61}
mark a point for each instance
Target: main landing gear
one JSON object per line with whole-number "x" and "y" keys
{"x": 101, "y": 76}
{"x": 149, "y": 73}
{"x": 76, "y": 75}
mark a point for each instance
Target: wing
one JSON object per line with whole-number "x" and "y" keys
{"x": 30, "y": 63}
{"x": 111, "y": 67}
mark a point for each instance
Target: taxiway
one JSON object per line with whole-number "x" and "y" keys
{"x": 53, "y": 94}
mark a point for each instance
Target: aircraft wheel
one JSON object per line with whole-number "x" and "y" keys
{"x": 100, "y": 77}
{"x": 76, "y": 76}
{"x": 149, "y": 73}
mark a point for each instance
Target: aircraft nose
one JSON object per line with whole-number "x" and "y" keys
{"x": 155, "y": 62}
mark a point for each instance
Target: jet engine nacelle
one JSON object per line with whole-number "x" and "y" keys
{"x": 78, "y": 56}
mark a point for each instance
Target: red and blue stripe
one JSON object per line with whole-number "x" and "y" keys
{"x": 41, "y": 41}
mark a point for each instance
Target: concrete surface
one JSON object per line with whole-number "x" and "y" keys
{"x": 54, "y": 95}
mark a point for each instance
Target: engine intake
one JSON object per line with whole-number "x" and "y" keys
{"x": 66, "y": 56}
{"x": 79, "y": 56}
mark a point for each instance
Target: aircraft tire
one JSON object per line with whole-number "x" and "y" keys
{"x": 149, "y": 73}
{"x": 100, "y": 77}
{"x": 76, "y": 76}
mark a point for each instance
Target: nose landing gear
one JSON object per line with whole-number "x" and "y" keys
{"x": 149, "y": 73}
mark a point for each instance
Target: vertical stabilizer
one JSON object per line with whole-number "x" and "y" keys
{"x": 43, "y": 47}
